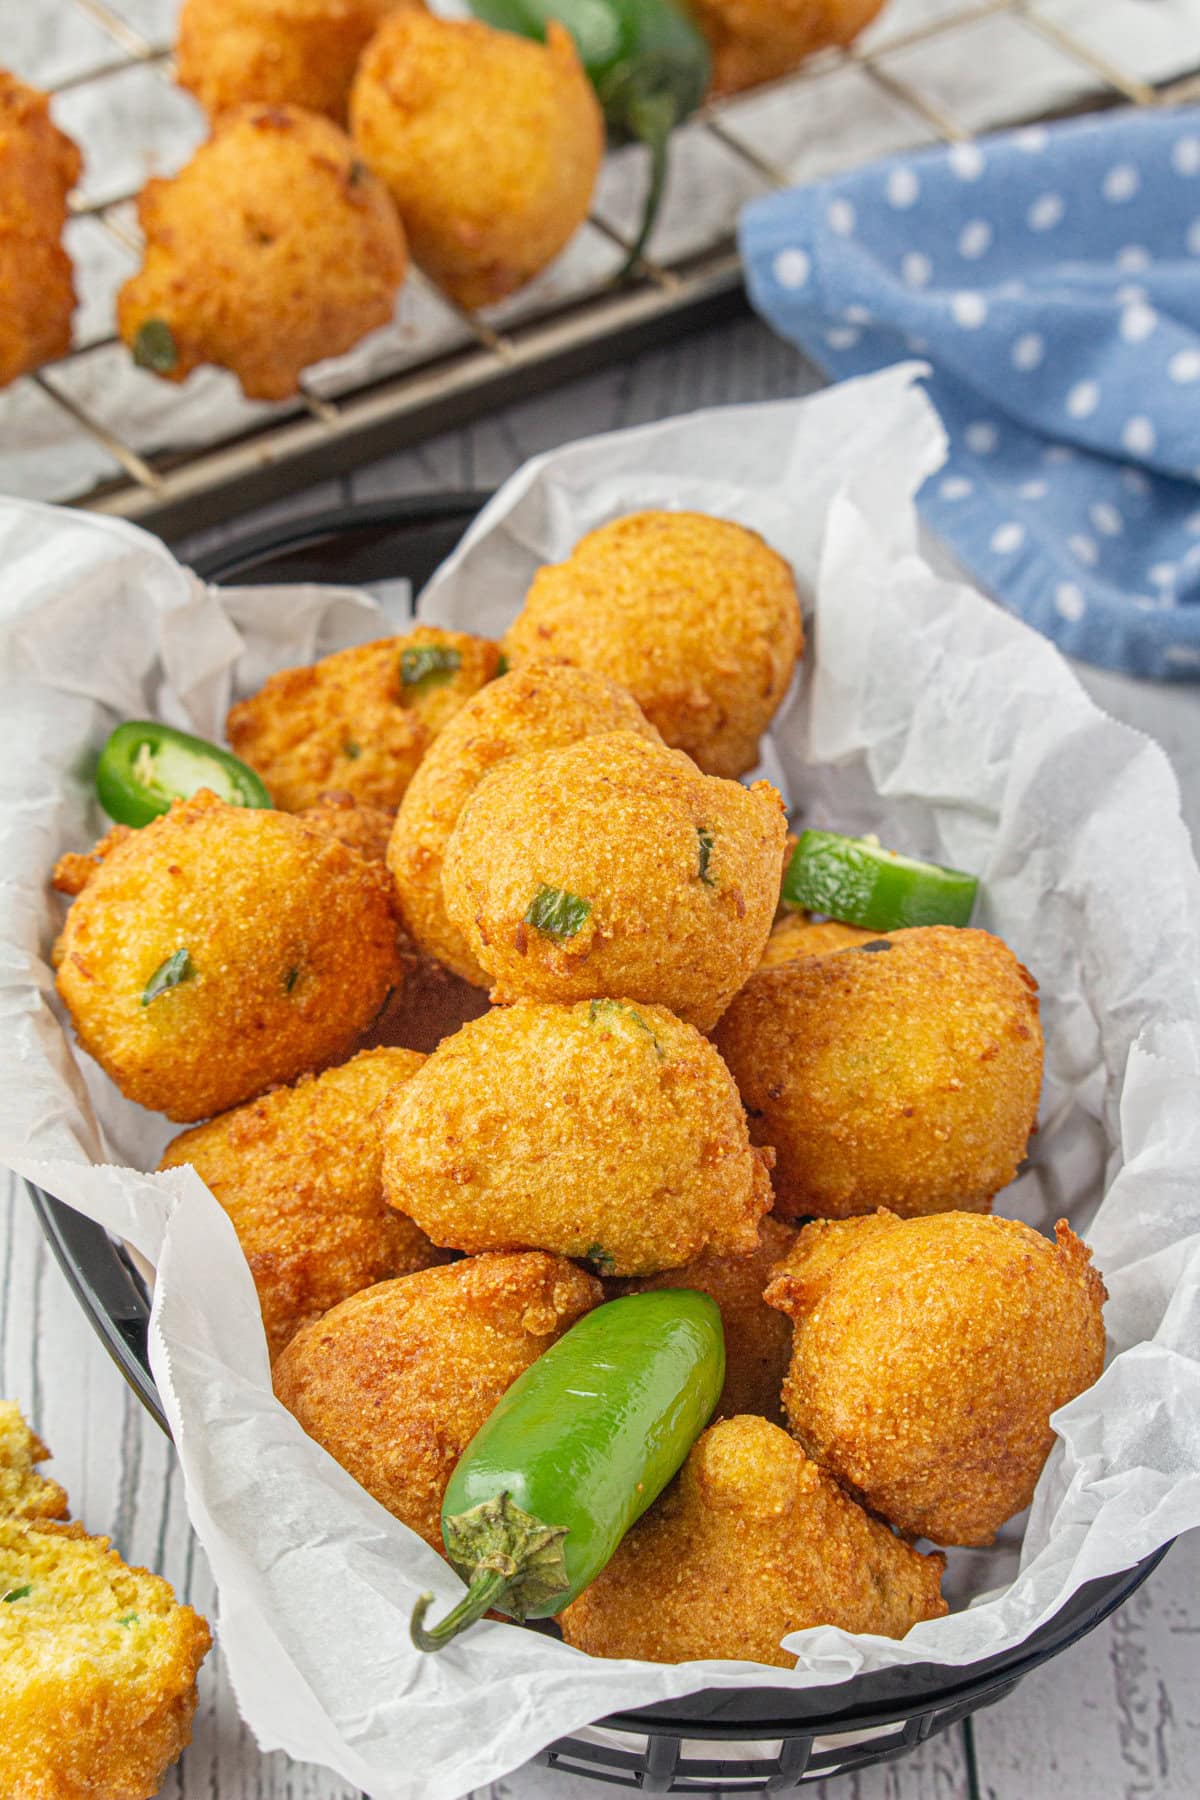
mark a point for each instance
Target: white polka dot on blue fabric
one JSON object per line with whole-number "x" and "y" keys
{"x": 969, "y": 309}
{"x": 1083, "y": 399}
{"x": 1163, "y": 574}
{"x": 1138, "y": 435}
{"x": 956, "y": 487}
{"x": 1192, "y": 524}
{"x": 1121, "y": 183}
{"x": 1106, "y": 518}
{"x": 1046, "y": 212}
{"x": 1135, "y": 482}
{"x": 1184, "y": 366}
{"x": 1185, "y": 156}
{"x": 1084, "y": 549}
{"x": 981, "y": 437}
{"x": 1137, "y": 322}
{"x": 903, "y": 188}
{"x": 792, "y": 268}
{"x": 1033, "y": 138}
{"x": 1008, "y": 537}
{"x": 975, "y": 239}
{"x": 842, "y": 217}
{"x": 1033, "y": 490}
{"x": 967, "y": 161}
{"x": 1028, "y": 351}
{"x": 857, "y": 315}
{"x": 842, "y": 337}
{"x": 1058, "y": 453}
{"x": 1193, "y": 238}
{"x": 916, "y": 270}
{"x": 1069, "y": 600}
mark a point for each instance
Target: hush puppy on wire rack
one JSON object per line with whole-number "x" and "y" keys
{"x": 39, "y": 165}
{"x": 299, "y": 1173}
{"x": 929, "y": 1355}
{"x": 751, "y": 1541}
{"x": 605, "y": 1131}
{"x": 273, "y": 248}
{"x": 220, "y": 950}
{"x": 489, "y": 143}
{"x": 614, "y": 868}
{"x": 541, "y": 706}
{"x": 759, "y": 40}
{"x": 697, "y": 617}
{"x": 395, "y": 1382}
{"x": 358, "y": 721}
{"x": 903, "y": 1073}
{"x": 279, "y": 52}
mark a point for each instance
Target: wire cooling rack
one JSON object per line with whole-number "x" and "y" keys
{"x": 91, "y": 429}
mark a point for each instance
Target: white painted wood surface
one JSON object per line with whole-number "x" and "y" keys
{"x": 1115, "y": 1718}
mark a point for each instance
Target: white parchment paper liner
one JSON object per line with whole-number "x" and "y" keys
{"x": 924, "y": 711}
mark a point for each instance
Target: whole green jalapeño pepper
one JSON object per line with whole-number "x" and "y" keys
{"x": 145, "y": 765}
{"x": 649, "y": 64}
{"x": 575, "y": 1452}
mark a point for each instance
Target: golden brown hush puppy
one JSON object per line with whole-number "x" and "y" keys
{"x": 220, "y": 950}
{"x": 759, "y": 40}
{"x": 273, "y": 248}
{"x": 99, "y": 1664}
{"x": 758, "y": 1342}
{"x": 300, "y": 1174}
{"x": 25, "y": 1493}
{"x": 796, "y": 936}
{"x": 360, "y": 720}
{"x": 696, "y": 616}
{"x": 360, "y": 827}
{"x": 489, "y": 143}
{"x": 929, "y": 1356}
{"x": 607, "y": 1131}
{"x": 541, "y": 706}
{"x": 278, "y": 52}
{"x": 396, "y": 1381}
{"x": 903, "y": 1074}
{"x": 613, "y": 867}
{"x": 39, "y": 165}
{"x": 750, "y": 1542}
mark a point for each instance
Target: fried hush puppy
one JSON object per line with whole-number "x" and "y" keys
{"x": 358, "y": 721}
{"x": 278, "y": 52}
{"x": 903, "y": 1074}
{"x": 489, "y": 143}
{"x": 39, "y": 165}
{"x": 929, "y": 1355}
{"x": 541, "y": 706}
{"x": 758, "y": 40}
{"x": 220, "y": 950}
{"x": 273, "y": 248}
{"x": 605, "y": 1131}
{"x": 614, "y": 868}
{"x": 758, "y": 1342}
{"x": 750, "y": 1542}
{"x": 696, "y": 616}
{"x": 300, "y": 1174}
{"x": 98, "y": 1661}
{"x": 339, "y": 815}
{"x": 395, "y": 1382}
{"x": 796, "y": 936}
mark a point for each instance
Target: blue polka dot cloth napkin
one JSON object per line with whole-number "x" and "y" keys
{"x": 1051, "y": 277}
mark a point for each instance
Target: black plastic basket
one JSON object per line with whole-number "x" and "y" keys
{"x": 718, "y": 1741}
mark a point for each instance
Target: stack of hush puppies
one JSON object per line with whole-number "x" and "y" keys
{"x": 667, "y": 1082}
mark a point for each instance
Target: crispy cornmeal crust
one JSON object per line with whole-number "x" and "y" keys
{"x": 929, "y": 1355}
{"x": 38, "y": 167}
{"x": 750, "y": 1542}
{"x": 24, "y": 1492}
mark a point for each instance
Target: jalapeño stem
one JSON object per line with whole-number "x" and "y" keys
{"x": 487, "y": 1586}
{"x": 651, "y": 118}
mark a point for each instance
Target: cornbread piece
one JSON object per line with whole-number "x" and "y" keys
{"x": 274, "y": 248}
{"x": 604, "y": 1131}
{"x": 614, "y": 869}
{"x": 359, "y": 721}
{"x": 540, "y": 706}
{"x": 220, "y": 950}
{"x": 796, "y": 936}
{"x": 24, "y": 1493}
{"x": 39, "y": 165}
{"x": 98, "y": 1669}
{"x": 293, "y": 52}
{"x": 758, "y": 1342}
{"x": 696, "y": 616}
{"x": 491, "y": 191}
{"x": 904, "y": 1073}
{"x": 395, "y": 1382}
{"x": 929, "y": 1355}
{"x": 750, "y": 1542}
{"x": 299, "y": 1173}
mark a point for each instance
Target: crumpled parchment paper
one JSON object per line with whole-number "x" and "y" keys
{"x": 924, "y": 712}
